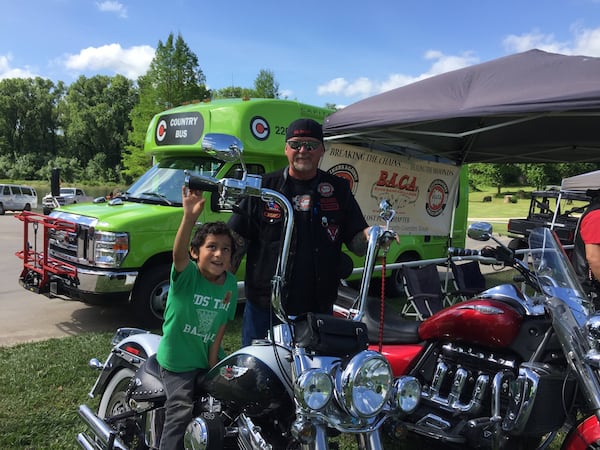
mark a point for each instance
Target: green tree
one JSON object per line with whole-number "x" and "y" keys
{"x": 566, "y": 170}
{"x": 29, "y": 122}
{"x": 23, "y": 167}
{"x": 174, "y": 78}
{"x": 234, "y": 92}
{"x": 96, "y": 118}
{"x": 265, "y": 85}
{"x": 71, "y": 170}
{"x": 489, "y": 174}
{"x": 175, "y": 74}
{"x": 539, "y": 175}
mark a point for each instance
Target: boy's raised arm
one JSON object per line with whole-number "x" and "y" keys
{"x": 193, "y": 204}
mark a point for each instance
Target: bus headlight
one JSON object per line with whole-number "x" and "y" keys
{"x": 314, "y": 389}
{"x": 366, "y": 384}
{"x": 110, "y": 249}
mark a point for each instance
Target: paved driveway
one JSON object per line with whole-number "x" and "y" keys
{"x": 26, "y": 316}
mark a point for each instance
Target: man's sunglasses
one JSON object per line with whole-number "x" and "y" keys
{"x": 309, "y": 146}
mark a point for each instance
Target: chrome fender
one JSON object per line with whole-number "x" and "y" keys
{"x": 148, "y": 342}
{"x": 131, "y": 352}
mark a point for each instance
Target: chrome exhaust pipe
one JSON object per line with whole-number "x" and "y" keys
{"x": 101, "y": 430}
{"x": 86, "y": 442}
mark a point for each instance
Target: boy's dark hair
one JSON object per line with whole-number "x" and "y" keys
{"x": 217, "y": 228}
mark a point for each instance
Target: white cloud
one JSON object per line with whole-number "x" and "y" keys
{"x": 585, "y": 41}
{"x": 445, "y": 63}
{"x": 131, "y": 62}
{"x": 286, "y": 93}
{"x": 360, "y": 87}
{"x": 364, "y": 87}
{"x": 113, "y": 7}
{"x": 335, "y": 86}
{"x": 7, "y": 71}
{"x": 535, "y": 39}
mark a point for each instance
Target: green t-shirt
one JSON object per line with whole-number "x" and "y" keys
{"x": 194, "y": 313}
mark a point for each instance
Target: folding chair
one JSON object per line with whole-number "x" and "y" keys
{"x": 424, "y": 291}
{"x": 468, "y": 279}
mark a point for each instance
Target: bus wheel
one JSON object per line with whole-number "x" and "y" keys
{"x": 149, "y": 297}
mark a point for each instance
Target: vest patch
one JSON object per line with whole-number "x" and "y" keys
{"x": 325, "y": 189}
{"x": 272, "y": 211}
{"x": 333, "y": 232}
{"x": 301, "y": 202}
{"x": 329, "y": 204}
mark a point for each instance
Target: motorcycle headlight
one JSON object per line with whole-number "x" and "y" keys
{"x": 314, "y": 389}
{"x": 366, "y": 384}
{"x": 407, "y": 393}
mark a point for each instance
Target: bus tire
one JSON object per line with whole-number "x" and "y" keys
{"x": 149, "y": 296}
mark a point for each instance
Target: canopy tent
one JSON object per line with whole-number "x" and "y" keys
{"x": 527, "y": 107}
{"x": 582, "y": 182}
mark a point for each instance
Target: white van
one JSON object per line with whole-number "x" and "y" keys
{"x": 14, "y": 197}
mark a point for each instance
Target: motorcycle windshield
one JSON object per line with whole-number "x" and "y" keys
{"x": 553, "y": 268}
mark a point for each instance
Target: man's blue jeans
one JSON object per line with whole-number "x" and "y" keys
{"x": 256, "y": 323}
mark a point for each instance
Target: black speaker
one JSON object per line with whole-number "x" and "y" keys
{"x": 55, "y": 182}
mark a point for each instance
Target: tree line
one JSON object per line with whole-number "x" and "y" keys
{"x": 94, "y": 129}
{"x": 537, "y": 175}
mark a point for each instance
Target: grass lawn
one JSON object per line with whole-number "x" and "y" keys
{"x": 43, "y": 383}
{"x": 498, "y": 208}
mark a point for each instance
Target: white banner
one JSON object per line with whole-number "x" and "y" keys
{"x": 423, "y": 193}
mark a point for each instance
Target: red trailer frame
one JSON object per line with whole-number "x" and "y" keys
{"x": 38, "y": 266}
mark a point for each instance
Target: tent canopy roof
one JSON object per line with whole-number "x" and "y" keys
{"x": 527, "y": 107}
{"x": 582, "y": 182}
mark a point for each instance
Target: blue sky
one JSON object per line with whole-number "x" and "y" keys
{"x": 321, "y": 52}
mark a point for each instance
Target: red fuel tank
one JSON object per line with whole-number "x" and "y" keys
{"x": 480, "y": 321}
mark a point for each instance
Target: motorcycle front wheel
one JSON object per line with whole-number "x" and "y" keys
{"x": 114, "y": 402}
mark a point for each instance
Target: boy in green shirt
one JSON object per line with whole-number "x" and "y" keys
{"x": 202, "y": 299}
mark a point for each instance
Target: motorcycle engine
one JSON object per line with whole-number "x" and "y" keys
{"x": 468, "y": 394}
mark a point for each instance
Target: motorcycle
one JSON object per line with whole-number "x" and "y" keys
{"x": 516, "y": 367}
{"x": 311, "y": 379}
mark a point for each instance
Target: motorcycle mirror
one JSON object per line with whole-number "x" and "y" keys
{"x": 386, "y": 212}
{"x": 222, "y": 146}
{"x": 480, "y": 231}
